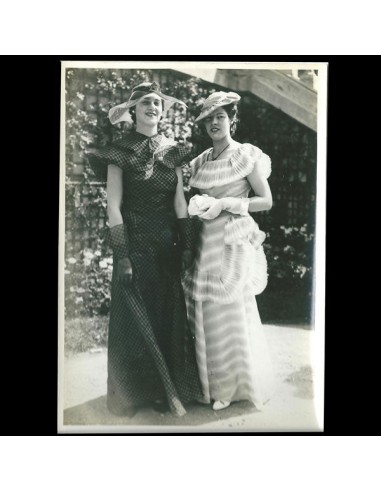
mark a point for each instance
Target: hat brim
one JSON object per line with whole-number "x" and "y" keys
{"x": 206, "y": 111}
{"x": 120, "y": 113}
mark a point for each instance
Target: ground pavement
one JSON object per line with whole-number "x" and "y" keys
{"x": 294, "y": 406}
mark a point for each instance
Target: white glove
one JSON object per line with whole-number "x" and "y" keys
{"x": 199, "y": 204}
{"x": 238, "y": 206}
{"x": 213, "y": 211}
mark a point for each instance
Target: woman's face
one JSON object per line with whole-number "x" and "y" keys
{"x": 149, "y": 110}
{"x": 217, "y": 124}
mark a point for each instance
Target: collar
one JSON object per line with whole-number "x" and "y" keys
{"x": 135, "y": 140}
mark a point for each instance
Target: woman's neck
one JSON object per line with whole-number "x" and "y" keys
{"x": 148, "y": 131}
{"x": 220, "y": 144}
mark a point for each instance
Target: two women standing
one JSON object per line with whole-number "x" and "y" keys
{"x": 152, "y": 348}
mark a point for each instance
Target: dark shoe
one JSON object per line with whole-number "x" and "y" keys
{"x": 160, "y": 406}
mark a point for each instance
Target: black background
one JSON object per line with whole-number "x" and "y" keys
{"x": 30, "y": 130}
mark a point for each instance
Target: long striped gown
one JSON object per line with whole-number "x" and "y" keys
{"x": 229, "y": 271}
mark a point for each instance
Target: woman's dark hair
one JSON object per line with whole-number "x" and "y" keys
{"x": 133, "y": 114}
{"x": 232, "y": 112}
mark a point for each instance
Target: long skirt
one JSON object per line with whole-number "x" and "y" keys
{"x": 151, "y": 353}
{"x": 231, "y": 351}
{"x": 231, "y": 347}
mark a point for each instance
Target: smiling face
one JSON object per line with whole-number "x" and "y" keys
{"x": 149, "y": 110}
{"x": 217, "y": 124}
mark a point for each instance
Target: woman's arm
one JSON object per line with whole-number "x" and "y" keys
{"x": 118, "y": 233}
{"x": 188, "y": 228}
{"x": 114, "y": 195}
{"x": 241, "y": 206}
{"x": 263, "y": 199}
{"x": 180, "y": 204}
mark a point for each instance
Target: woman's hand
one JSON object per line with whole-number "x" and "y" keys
{"x": 206, "y": 207}
{"x": 124, "y": 271}
{"x": 199, "y": 204}
{"x": 187, "y": 258}
{"x": 213, "y": 211}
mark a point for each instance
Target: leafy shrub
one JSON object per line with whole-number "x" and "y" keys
{"x": 87, "y": 284}
{"x": 82, "y": 334}
{"x": 289, "y": 252}
{"x": 289, "y": 294}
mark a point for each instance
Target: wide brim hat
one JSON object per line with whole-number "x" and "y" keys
{"x": 121, "y": 112}
{"x": 216, "y": 100}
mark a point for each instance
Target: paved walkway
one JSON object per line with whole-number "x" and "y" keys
{"x": 291, "y": 409}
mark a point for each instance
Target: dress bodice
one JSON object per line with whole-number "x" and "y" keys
{"x": 207, "y": 174}
{"x": 230, "y": 255}
{"x": 149, "y": 176}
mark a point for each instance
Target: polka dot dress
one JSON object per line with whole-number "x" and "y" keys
{"x": 151, "y": 353}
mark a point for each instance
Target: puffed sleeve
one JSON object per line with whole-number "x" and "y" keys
{"x": 99, "y": 159}
{"x": 198, "y": 161}
{"x": 249, "y": 158}
{"x": 178, "y": 156}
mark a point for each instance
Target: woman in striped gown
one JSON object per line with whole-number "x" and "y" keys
{"x": 230, "y": 268}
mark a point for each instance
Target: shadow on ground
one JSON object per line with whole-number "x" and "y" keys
{"x": 303, "y": 382}
{"x": 95, "y": 412}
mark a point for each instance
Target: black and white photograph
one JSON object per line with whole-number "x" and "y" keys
{"x": 192, "y": 247}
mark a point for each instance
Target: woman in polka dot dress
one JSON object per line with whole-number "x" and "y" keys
{"x": 151, "y": 358}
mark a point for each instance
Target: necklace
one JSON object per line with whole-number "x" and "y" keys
{"x": 223, "y": 150}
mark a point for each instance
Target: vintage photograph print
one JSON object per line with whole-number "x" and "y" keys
{"x": 192, "y": 246}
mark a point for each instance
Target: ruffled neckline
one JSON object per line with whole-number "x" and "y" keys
{"x": 209, "y": 151}
{"x": 207, "y": 174}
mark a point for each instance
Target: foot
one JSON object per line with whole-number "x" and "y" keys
{"x": 220, "y": 404}
{"x": 160, "y": 406}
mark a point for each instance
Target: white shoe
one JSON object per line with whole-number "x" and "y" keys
{"x": 220, "y": 404}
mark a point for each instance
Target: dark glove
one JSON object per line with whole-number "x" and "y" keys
{"x": 187, "y": 258}
{"x": 118, "y": 239}
{"x": 124, "y": 271}
{"x": 189, "y": 230}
